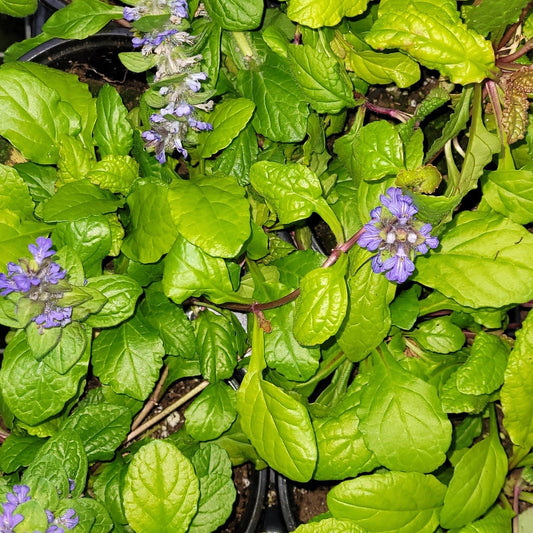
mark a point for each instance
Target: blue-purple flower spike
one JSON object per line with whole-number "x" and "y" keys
{"x": 396, "y": 235}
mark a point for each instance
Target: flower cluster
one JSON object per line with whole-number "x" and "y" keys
{"x": 397, "y": 236}
{"x": 177, "y": 75}
{"x": 37, "y": 280}
{"x": 9, "y": 518}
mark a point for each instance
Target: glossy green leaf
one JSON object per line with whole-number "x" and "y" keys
{"x": 278, "y": 426}
{"x": 236, "y": 15}
{"x": 228, "y": 119}
{"x": 368, "y": 317}
{"x": 224, "y": 224}
{"x": 489, "y": 16}
{"x": 137, "y": 61}
{"x": 497, "y": 520}
{"x": 112, "y": 132}
{"x": 89, "y": 237}
{"x": 70, "y": 348}
{"x": 510, "y": 193}
{"x": 191, "y": 272}
{"x": 18, "y": 8}
{"x": 212, "y": 412}
{"x": 402, "y": 420}
{"x": 18, "y": 451}
{"x": 31, "y": 389}
{"x": 477, "y": 480}
{"x": 107, "y": 489}
{"x": 101, "y": 427}
{"x": 517, "y": 390}
{"x": 329, "y": 525}
{"x": 115, "y": 173}
{"x": 484, "y": 369}
{"x": 436, "y": 41}
{"x": 34, "y": 116}
{"x": 439, "y": 335}
{"x": 152, "y": 230}
{"x": 14, "y": 193}
{"x": 217, "y": 344}
{"x": 160, "y": 490}
{"x": 323, "y": 84}
{"x": 77, "y": 200}
{"x": 455, "y": 401}
{"x": 121, "y": 292}
{"x": 175, "y": 329}
{"x": 92, "y": 514}
{"x": 80, "y": 19}
{"x": 378, "y": 151}
{"x": 389, "y": 502}
{"x": 128, "y": 357}
{"x": 321, "y": 306}
{"x": 281, "y": 113}
{"x": 217, "y": 490}
{"x": 316, "y": 13}
{"x": 497, "y": 249}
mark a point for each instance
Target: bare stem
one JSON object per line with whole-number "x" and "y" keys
{"x": 152, "y": 401}
{"x": 3, "y": 436}
{"x": 165, "y": 412}
{"x": 402, "y": 116}
{"x": 528, "y": 45}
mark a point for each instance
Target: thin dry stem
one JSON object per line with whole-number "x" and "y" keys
{"x": 152, "y": 401}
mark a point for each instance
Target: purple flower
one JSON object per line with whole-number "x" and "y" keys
{"x": 7, "y": 285}
{"x": 8, "y": 520}
{"x": 396, "y": 235}
{"x": 53, "y": 274}
{"x": 131, "y": 14}
{"x": 179, "y": 8}
{"x": 192, "y": 81}
{"x": 183, "y": 109}
{"x": 19, "y": 495}
{"x": 69, "y": 519}
{"x": 54, "y": 316}
{"x": 42, "y": 250}
{"x": 199, "y": 125}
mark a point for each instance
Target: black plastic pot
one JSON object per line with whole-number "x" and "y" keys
{"x": 97, "y": 56}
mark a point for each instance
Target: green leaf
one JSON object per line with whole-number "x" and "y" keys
{"x": 112, "y": 132}
{"x": 175, "y": 329}
{"x": 128, "y": 357}
{"x": 455, "y": 401}
{"x": 402, "y": 420}
{"x": 405, "y": 308}
{"x": 102, "y": 428}
{"x": 439, "y": 335}
{"x": 80, "y": 19}
{"x": 121, "y": 292}
{"x": 489, "y": 16}
{"x": 89, "y": 237}
{"x": 283, "y": 352}
{"x": 495, "y": 248}
{"x": 477, "y": 480}
{"x": 280, "y": 112}
{"x": 212, "y": 412}
{"x": 18, "y": 451}
{"x": 152, "y": 229}
{"x": 278, "y": 426}
{"x": 217, "y": 344}
{"x": 228, "y": 119}
{"x": 70, "y": 348}
{"x": 32, "y": 390}
{"x": 237, "y": 159}
{"x": 389, "y": 502}
{"x": 75, "y": 160}
{"x": 107, "y": 489}
{"x": 137, "y": 61}
{"x": 436, "y": 41}
{"x": 497, "y": 520}
{"x": 317, "y": 13}
{"x": 115, "y": 173}
{"x": 224, "y": 225}
{"x": 378, "y": 151}
{"x": 33, "y": 115}
{"x": 517, "y": 391}
{"x": 14, "y": 194}
{"x": 321, "y": 306}
{"x": 484, "y": 369}
{"x": 217, "y": 491}
{"x": 191, "y": 272}
{"x": 39, "y": 179}
{"x": 18, "y": 8}
{"x": 160, "y": 490}
{"x": 510, "y": 193}
{"x": 368, "y": 317}
{"x": 329, "y": 525}
{"x": 322, "y": 82}
{"x": 92, "y": 515}
{"x": 77, "y": 200}
{"x": 236, "y": 15}
{"x": 293, "y": 192}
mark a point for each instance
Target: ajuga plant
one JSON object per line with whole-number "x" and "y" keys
{"x": 334, "y": 196}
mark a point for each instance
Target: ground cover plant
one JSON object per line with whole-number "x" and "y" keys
{"x": 375, "y": 249}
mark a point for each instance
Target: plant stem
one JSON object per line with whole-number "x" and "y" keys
{"x": 329, "y": 367}
{"x": 165, "y": 412}
{"x": 519, "y": 53}
{"x": 243, "y": 44}
{"x": 152, "y": 401}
